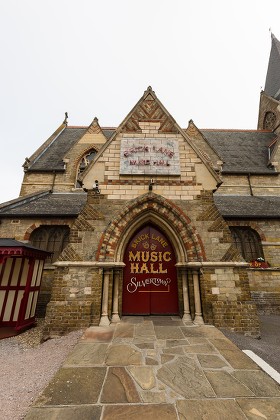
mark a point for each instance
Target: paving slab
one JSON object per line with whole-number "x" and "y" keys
{"x": 74, "y": 386}
{"x": 149, "y": 345}
{"x": 200, "y": 348}
{"x": 173, "y": 350}
{"x": 197, "y": 340}
{"x": 150, "y": 361}
{"x": 234, "y": 356}
{"x": 180, "y": 342}
{"x": 98, "y": 334}
{"x": 225, "y": 385}
{"x": 144, "y": 376}
{"x": 260, "y": 408}
{"x": 202, "y": 331}
{"x": 87, "y": 354}
{"x": 154, "y": 397}
{"x": 168, "y": 332}
{"x": 146, "y": 329}
{"x": 123, "y": 355}
{"x": 211, "y": 361}
{"x": 165, "y": 358}
{"x": 185, "y": 377}
{"x": 119, "y": 387}
{"x": 157, "y": 368}
{"x": 65, "y": 413}
{"x": 124, "y": 331}
{"x": 140, "y": 412}
{"x": 259, "y": 382}
{"x": 210, "y": 410}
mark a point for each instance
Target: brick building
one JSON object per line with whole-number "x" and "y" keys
{"x": 152, "y": 218}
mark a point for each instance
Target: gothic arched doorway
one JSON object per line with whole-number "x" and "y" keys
{"x": 150, "y": 275}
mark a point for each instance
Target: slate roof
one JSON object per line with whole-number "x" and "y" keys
{"x": 45, "y": 204}
{"x": 242, "y": 151}
{"x": 48, "y": 204}
{"x": 272, "y": 83}
{"x": 51, "y": 159}
{"x": 108, "y": 132}
{"x": 248, "y": 207}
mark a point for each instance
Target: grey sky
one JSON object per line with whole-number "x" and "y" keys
{"x": 206, "y": 60}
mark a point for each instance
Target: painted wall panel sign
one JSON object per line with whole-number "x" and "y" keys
{"x": 154, "y": 156}
{"x": 150, "y": 277}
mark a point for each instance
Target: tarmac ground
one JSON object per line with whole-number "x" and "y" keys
{"x": 268, "y": 346}
{"x": 158, "y": 368}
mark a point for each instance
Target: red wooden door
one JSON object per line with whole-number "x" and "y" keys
{"x": 150, "y": 277}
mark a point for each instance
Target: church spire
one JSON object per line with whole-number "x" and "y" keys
{"x": 272, "y": 83}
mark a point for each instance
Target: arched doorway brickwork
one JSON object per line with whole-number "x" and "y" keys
{"x": 151, "y": 206}
{"x": 149, "y": 209}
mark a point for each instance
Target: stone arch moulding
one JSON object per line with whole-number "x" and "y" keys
{"x": 154, "y": 209}
{"x": 252, "y": 225}
{"x": 36, "y": 225}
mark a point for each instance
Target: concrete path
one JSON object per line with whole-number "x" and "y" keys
{"x": 149, "y": 368}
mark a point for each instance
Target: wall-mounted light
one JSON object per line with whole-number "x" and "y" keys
{"x": 96, "y": 187}
{"x": 152, "y": 182}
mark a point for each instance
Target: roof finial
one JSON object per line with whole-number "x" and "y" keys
{"x": 271, "y": 33}
{"x": 66, "y": 118}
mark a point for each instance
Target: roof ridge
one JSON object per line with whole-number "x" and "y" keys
{"x": 252, "y": 130}
{"x": 84, "y": 126}
{"x": 24, "y": 198}
{"x": 76, "y": 126}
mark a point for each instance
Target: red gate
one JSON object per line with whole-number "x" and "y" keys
{"x": 150, "y": 276}
{"x": 21, "y": 267}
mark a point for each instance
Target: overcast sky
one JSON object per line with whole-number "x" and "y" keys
{"x": 206, "y": 60}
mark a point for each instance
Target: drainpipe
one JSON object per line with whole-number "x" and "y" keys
{"x": 54, "y": 175}
{"x": 249, "y": 182}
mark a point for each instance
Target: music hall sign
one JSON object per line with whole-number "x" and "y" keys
{"x": 149, "y": 156}
{"x": 150, "y": 277}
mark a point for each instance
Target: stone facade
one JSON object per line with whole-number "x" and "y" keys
{"x": 149, "y": 173}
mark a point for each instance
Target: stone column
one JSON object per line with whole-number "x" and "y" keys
{"x": 197, "y": 300}
{"x": 187, "y": 314}
{"x": 115, "y": 309}
{"x": 104, "y": 320}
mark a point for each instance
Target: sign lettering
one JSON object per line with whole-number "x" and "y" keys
{"x": 150, "y": 277}
{"x": 149, "y": 156}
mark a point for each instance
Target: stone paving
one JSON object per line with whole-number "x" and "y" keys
{"x": 157, "y": 368}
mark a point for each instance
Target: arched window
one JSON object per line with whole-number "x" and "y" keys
{"x": 248, "y": 242}
{"x": 51, "y": 238}
{"x": 269, "y": 121}
{"x": 84, "y": 162}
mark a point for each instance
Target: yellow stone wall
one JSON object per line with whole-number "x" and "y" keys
{"x": 194, "y": 177}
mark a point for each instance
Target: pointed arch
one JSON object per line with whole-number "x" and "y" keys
{"x": 83, "y": 163}
{"x": 154, "y": 209}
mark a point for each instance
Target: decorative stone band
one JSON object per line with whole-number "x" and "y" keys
{"x": 200, "y": 264}
{"x": 120, "y": 264}
{"x": 270, "y": 243}
{"x": 98, "y": 264}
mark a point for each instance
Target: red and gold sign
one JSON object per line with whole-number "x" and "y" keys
{"x": 259, "y": 263}
{"x": 150, "y": 278}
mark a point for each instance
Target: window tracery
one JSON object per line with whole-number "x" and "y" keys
{"x": 84, "y": 162}
{"x": 51, "y": 238}
{"x": 248, "y": 242}
{"x": 269, "y": 121}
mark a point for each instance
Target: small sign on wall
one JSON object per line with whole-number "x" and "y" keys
{"x": 259, "y": 263}
{"x": 149, "y": 156}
